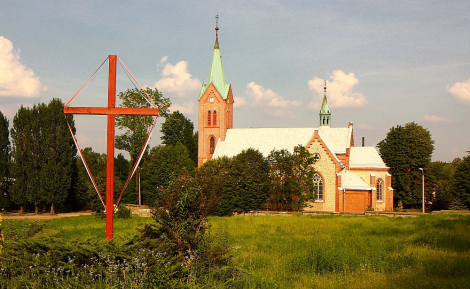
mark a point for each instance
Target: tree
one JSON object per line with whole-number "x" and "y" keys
{"x": 97, "y": 165}
{"x": 4, "y": 161}
{"x": 249, "y": 181}
{"x": 461, "y": 184}
{"x": 439, "y": 177}
{"x": 137, "y": 126}
{"x": 43, "y": 154}
{"x": 214, "y": 179}
{"x": 22, "y": 164}
{"x": 406, "y": 149}
{"x": 163, "y": 164}
{"x": 178, "y": 128}
{"x": 58, "y": 154}
{"x": 181, "y": 213}
{"x": 291, "y": 178}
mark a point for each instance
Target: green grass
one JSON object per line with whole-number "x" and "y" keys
{"x": 298, "y": 251}
{"x": 351, "y": 252}
{"x": 85, "y": 227}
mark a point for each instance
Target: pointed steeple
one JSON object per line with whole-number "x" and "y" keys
{"x": 325, "y": 115}
{"x": 216, "y": 70}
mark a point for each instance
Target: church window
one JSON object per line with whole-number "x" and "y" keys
{"x": 212, "y": 145}
{"x": 209, "y": 118}
{"x": 215, "y": 118}
{"x": 316, "y": 157}
{"x": 317, "y": 187}
{"x": 380, "y": 190}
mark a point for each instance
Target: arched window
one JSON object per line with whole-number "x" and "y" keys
{"x": 317, "y": 187}
{"x": 380, "y": 190}
{"x": 212, "y": 145}
{"x": 209, "y": 118}
{"x": 215, "y": 118}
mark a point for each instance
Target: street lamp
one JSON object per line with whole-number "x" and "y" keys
{"x": 422, "y": 172}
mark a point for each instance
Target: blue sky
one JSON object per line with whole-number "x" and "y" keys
{"x": 386, "y": 63}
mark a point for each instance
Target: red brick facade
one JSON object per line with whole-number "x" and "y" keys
{"x": 211, "y": 101}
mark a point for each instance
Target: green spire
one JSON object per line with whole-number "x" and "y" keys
{"x": 325, "y": 115}
{"x": 216, "y": 70}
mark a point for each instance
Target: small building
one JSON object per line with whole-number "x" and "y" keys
{"x": 347, "y": 179}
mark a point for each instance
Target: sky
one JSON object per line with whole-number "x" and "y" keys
{"x": 385, "y": 63}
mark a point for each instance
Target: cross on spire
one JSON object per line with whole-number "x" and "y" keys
{"x": 217, "y": 26}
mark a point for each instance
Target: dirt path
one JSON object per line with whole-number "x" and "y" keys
{"x": 44, "y": 216}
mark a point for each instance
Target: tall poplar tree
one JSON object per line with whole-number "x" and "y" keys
{"x": 22, "y": 164}
{"x": 4, "y": 161}
{"x": 43, "y": 154}
{"x": 58, "y": 154}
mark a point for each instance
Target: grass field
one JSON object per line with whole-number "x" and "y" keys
{"x": 298, "y": 251}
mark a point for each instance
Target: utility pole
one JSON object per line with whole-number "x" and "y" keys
{"x": 422, "y": 172}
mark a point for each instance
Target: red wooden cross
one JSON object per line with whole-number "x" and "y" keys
{"x": 111, "y": 110}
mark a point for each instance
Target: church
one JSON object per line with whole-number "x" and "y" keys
{"x": 347, "y": 178}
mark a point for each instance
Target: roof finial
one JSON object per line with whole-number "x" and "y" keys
{"x": 325, "y": 87}
{"x": 217, "y": 26}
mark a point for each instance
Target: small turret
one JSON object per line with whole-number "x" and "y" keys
{"x": 325, "y": 115}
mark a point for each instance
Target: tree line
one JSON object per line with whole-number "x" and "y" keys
{"x": 407, "y": 150}
{"x": 41, "y": 169}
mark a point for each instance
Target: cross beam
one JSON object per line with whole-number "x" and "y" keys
{"x": 111, "y": 110}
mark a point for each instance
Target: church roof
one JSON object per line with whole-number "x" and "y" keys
{"x": 216, "y": 74}
{"x": 267, "y": 139}
{"x": 349, "y": 181}
{"x": 365, "y": 157}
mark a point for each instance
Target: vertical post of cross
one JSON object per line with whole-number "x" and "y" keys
{"x": 110, "y": 149}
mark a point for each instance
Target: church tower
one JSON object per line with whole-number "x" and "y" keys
{"x": 325, "y": 115}
{"x": 215, "y": 106}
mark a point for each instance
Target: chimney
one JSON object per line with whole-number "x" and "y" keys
{"x": 362, "y": 141}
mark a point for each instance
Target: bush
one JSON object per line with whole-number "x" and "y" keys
{"x": 122, "y": 212}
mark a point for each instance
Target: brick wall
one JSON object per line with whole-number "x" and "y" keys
{"x": 224, "y": 110}
{"x": 327, "y": 169}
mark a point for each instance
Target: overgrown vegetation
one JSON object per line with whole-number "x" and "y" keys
{"x": 301, "y": 251}
{"x": 44, "y": 254}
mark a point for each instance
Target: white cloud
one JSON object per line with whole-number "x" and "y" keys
{"x": 435, "y": 118}
{"x": 339, "y": 91}
{"x": 177, "y": 81}
{"x": 266, "y": 97}
{"x": 185, "y": 108}
{"x": 9, "y": 110}
{"x": 461, "y": 91}
{"x": 15, "y": 78}
{"x": 365, "y": 126}
{"x": 163, "y": 60}
{"x": 239, "y": 101}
